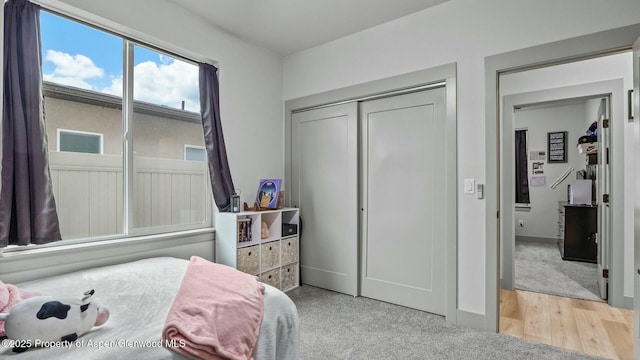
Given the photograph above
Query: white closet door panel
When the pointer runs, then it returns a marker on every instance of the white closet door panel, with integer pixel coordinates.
(324, 165)
(402, 192)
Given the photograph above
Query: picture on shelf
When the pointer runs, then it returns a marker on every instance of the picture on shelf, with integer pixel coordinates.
(268, 193)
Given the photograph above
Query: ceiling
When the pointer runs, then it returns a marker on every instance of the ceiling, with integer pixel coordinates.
(290, 26)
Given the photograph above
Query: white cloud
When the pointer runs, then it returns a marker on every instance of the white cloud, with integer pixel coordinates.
(69, 81)
(78, 67)
(167, 84)
(165, 59)
(115, 88)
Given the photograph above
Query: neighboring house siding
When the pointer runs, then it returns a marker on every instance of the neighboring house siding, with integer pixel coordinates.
(154, 136)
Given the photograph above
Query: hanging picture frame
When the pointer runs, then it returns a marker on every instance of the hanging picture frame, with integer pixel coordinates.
(557, 147)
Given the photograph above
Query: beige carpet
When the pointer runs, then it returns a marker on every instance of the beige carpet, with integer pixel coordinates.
(540, 268)
(338, 326)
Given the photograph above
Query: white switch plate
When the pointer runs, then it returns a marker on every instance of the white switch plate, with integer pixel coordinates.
(469, 186)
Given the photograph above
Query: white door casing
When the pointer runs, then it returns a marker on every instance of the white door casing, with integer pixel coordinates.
(403, 182)
(636, 118)
(604, 187)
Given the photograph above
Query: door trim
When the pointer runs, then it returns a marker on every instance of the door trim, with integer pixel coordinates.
(564, 51)
(444, 73)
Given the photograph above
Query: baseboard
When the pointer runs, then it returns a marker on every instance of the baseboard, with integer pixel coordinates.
(536, 239)
(628, 303)
(504, 285)
(472, 320)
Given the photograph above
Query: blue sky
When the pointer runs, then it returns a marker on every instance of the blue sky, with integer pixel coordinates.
(77, 55)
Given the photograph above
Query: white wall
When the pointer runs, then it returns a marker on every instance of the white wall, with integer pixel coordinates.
(250, 81)
(617, 66)
(541, 219)
(462, 31)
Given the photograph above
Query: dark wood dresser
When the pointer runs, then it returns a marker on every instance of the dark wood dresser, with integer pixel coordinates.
(580, 233)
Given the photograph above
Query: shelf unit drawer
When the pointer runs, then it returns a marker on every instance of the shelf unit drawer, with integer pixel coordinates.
(249, 260)
(289, 275)
(270, 257)
(289, 250)
(271, 277)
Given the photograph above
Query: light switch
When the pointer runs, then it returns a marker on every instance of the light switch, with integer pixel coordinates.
(469, 186)
(480, 192)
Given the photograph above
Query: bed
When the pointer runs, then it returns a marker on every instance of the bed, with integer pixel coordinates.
(139, 294)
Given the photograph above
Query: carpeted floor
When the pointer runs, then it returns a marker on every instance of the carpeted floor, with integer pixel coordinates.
(540, 268)
(338, 326)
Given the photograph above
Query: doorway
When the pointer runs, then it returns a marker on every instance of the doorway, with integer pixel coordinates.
(541, 87)
(554, 243)
(610, 225)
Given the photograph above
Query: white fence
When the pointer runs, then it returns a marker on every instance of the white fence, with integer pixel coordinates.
(88, 191)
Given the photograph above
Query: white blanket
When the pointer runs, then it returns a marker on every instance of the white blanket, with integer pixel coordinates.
(139, 295)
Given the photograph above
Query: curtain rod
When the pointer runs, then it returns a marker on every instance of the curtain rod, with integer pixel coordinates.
(375, 96)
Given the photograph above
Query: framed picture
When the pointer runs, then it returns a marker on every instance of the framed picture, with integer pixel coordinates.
(537, 168)
(557, 147)
(268, 193)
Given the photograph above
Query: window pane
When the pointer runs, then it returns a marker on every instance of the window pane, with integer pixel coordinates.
(522, 167)
(82, 72)
(194, 154)
(168, 190)
(80, 142)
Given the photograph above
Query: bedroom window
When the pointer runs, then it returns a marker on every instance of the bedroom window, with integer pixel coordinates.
(104, 186)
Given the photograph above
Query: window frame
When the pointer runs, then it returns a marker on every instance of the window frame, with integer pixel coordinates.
(100, 136)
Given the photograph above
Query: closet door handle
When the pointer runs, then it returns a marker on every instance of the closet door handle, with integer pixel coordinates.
(630, 103)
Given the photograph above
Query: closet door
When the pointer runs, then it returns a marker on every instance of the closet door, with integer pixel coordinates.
(324, 187)
(403, 191)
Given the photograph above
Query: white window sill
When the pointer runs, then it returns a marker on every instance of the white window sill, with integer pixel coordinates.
(18, 252)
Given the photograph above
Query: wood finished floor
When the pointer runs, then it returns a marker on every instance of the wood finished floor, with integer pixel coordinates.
(589, 327)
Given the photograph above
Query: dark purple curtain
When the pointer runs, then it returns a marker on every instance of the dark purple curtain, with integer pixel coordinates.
(27, 207)
(522, 166)
(221, 182)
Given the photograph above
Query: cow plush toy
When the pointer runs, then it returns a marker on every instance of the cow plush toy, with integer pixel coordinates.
(43, 319)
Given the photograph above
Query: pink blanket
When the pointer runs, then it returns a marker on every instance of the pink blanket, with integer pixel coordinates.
(216, 313)
(9, 296)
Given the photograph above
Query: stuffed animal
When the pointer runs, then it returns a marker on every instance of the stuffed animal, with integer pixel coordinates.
(9, 296)
(43, 319)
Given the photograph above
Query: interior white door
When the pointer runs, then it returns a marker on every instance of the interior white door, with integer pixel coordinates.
(636, 118)
(402, 192)
(604, 189)
(325, 188)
